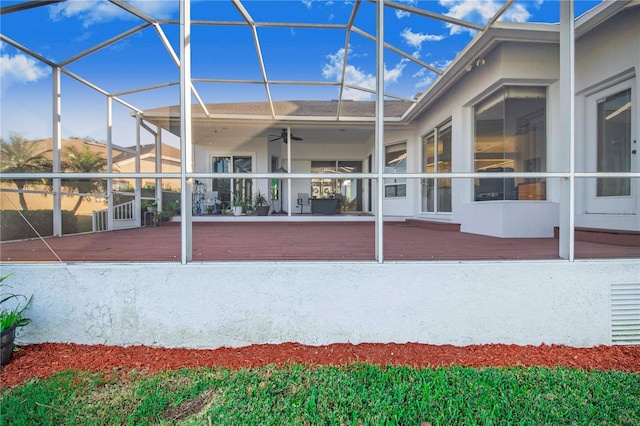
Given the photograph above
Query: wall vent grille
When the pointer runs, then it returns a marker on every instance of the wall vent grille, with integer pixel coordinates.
(625, 314)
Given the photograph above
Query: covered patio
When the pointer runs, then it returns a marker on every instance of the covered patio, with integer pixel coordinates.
(299, 241)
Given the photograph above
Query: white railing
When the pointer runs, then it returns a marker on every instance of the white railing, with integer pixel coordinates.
(124, 211)
(99, 220)
(124, 216)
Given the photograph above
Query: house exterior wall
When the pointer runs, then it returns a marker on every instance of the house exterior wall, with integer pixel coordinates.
(508, 63)
(605, 57)
(231, 304)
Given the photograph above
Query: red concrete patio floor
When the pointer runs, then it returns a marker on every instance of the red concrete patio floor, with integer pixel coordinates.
(302, 241)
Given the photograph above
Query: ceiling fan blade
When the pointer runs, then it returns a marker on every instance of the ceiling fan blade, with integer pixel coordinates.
(296, 138)
(275, 139)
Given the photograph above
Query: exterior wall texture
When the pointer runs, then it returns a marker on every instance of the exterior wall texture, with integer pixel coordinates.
(214, 305)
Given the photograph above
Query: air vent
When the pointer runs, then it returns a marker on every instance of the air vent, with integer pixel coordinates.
(625, 314)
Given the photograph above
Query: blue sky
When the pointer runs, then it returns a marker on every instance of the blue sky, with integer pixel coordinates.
(60, 31)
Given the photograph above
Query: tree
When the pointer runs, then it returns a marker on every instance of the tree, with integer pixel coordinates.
(22, 156)
(83, 160)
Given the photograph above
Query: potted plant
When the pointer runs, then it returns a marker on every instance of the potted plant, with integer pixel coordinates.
(150, 206)
(11, 318)
(261, 204)
(238, 203)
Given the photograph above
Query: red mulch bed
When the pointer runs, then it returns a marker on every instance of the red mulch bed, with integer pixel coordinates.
(44, 359)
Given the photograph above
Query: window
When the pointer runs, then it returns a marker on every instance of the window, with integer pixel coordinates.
(436, 158)
(395, 161)
(241, 164)
(348, 190)
(614, 143)
(511, 136)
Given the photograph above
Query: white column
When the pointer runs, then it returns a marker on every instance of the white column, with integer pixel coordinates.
(109, 163)
(289, 207)
(567, 120)
(137, 194)
(186, 149)
(379, 130)
(57, 147)
(158, 141)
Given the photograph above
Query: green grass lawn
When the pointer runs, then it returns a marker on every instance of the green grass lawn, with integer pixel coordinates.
(355, 394)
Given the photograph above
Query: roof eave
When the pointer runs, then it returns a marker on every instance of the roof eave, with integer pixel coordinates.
(483, 43)
(511, 31)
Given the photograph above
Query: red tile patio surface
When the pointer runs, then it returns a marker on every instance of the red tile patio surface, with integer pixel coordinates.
(296, 241)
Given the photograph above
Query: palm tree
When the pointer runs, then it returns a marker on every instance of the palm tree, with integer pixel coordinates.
(21, 156)
(83, 161)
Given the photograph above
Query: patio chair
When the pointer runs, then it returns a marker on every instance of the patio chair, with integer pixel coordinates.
(210, 200)
(303, 200)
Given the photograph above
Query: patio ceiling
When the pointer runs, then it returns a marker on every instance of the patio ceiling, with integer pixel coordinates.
(266, 68)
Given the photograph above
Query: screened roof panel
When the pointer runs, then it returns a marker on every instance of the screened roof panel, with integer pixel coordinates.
(312, 12)
(295, 55)
(214, 43)
(303, 51)
(63, 30)
(151, 65)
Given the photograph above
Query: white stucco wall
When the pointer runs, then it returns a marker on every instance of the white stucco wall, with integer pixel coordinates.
(237, 304)
(510, 219)
(606, 58)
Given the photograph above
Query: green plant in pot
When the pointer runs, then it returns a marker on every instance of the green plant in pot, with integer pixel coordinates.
(238, 204)
(261, 204)
(12, 307)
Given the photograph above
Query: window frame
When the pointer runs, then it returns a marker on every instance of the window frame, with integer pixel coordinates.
(399, 184)
(435, 131)
(510, 186)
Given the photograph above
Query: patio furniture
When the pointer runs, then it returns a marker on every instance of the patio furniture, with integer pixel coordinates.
(325, 206)
(303, 200)
(149, 218)
(210, 200)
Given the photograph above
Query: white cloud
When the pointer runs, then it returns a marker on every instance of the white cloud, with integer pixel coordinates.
(416, 39)
(101, 11)
(20, 69)
(307, 3)
(357, 77)
(480, 11)
(401, 13)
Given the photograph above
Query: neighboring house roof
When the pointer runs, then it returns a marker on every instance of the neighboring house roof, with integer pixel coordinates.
(169, 153)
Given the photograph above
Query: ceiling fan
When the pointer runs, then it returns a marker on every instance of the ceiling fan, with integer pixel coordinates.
(283, 136)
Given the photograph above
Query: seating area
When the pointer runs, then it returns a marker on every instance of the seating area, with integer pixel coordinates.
(211, 202)
(304, 201)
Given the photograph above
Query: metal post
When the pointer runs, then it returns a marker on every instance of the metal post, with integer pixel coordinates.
(109, 163)
(379, 129)
(158, 142)
(290, 207)
(567, 111)
(57, 147)
(186, 149)
(137, 194)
